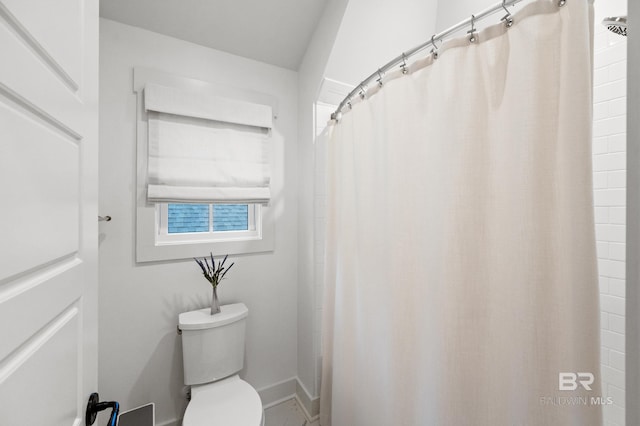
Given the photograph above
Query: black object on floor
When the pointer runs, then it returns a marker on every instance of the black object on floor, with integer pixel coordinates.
(141, 416)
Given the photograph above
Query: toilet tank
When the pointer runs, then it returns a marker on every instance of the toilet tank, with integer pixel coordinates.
(212, 345)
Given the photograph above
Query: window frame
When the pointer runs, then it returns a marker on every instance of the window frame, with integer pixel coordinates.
(163, 237)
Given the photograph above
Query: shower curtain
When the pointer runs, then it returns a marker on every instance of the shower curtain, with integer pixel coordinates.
(461, 280)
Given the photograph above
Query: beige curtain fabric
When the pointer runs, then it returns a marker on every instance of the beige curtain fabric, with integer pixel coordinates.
(461, 269)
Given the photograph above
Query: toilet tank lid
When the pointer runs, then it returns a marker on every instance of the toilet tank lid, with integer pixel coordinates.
(202, 318)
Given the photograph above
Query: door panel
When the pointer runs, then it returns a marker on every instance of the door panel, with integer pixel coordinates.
(46, 165)
(54, 31)
(48, 210)
(58, 284)
(52, 354)
(57, 105)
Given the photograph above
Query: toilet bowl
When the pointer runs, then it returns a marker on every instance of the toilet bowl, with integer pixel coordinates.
(228, 402)
(213, 355)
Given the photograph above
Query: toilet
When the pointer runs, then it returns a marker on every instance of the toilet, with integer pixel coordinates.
(213, 354)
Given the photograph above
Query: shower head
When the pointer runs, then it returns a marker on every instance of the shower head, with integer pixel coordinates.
(616, 24)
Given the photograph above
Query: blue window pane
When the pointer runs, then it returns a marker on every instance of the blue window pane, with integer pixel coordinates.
(230, 217)
(184, 218)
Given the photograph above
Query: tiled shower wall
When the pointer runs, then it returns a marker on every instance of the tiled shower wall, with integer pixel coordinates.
(609, 180)
(323, 113)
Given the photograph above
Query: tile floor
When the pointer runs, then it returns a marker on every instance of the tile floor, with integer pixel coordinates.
(286, 414)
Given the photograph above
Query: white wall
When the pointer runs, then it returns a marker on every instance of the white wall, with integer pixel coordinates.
(450, 12)
(375, 31)
(140, 352)
(609, 179)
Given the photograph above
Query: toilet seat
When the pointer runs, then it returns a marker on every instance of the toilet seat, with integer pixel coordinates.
(228, 402)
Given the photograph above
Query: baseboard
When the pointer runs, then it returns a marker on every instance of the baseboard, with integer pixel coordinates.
(310, 405)
(277, 393)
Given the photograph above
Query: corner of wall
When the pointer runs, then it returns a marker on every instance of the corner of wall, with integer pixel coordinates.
(310, 77)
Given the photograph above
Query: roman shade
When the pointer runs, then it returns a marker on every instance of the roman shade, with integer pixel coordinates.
(206, 149)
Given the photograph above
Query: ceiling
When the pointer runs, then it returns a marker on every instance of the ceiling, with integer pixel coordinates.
(273, 31)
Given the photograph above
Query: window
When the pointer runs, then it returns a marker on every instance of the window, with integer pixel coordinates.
(201, 200)
(180, 223)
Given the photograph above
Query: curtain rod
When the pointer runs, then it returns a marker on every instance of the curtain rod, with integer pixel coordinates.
(402, 59)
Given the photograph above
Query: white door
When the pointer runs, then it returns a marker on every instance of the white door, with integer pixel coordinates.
(48, 210)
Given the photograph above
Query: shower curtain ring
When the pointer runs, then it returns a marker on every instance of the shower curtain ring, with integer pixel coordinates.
(508, 19)
(434, 51)
(562, 3)
(363, 91)
(472, 31)
(404, 64)
(380, 75)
